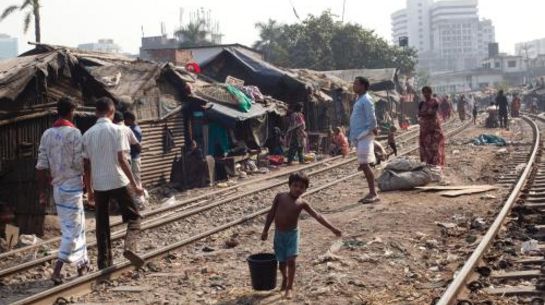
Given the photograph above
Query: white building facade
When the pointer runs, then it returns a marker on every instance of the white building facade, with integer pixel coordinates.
(9, 46)
(530, 49)
(103, 45)
(448, 35)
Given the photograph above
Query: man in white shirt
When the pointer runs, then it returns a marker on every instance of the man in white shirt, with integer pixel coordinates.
(111, 175)
(60, 157)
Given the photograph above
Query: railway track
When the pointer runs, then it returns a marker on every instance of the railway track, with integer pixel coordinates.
(498, 271)
(168, 232)
(205, 196)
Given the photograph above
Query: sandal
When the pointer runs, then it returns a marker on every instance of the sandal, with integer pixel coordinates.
(83, 269)
(57, 279)
(368, 200)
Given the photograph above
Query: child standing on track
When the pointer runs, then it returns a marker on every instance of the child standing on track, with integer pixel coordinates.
(392, 140)
(285, 212)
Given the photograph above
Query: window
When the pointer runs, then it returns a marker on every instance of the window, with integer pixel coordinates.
(512, 64)
(497, 65)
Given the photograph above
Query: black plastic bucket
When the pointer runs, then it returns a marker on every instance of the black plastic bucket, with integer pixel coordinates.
(263, 268)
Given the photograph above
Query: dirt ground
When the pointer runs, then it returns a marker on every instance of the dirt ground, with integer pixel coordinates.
(403, 250)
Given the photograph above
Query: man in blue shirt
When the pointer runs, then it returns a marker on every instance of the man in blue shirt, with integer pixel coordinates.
(363, 125)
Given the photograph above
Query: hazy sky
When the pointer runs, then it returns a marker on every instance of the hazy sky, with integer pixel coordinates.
(71, 22)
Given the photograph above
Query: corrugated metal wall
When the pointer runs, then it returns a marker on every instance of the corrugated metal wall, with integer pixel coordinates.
(17, 174)
(156, 164)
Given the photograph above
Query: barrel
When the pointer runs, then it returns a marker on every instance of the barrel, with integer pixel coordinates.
(263, 268)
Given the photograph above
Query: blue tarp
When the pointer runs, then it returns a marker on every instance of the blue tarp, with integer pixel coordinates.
(271, 80)
(485, 139)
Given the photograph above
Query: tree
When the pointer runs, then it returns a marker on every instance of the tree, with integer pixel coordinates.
(194, 34)
(321, 43)
(269, 33)
(422, 79)
(31, 8)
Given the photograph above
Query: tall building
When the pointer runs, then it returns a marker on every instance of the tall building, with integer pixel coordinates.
(103, 45)
(9, 46)
(530, 49)
(448, 35)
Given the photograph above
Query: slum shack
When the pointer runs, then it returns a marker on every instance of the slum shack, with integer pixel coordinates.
(385, 88)
(281, 84)
(230, 124)
(326, 99)
(30, 86)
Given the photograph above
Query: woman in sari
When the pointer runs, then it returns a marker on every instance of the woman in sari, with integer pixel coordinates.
(432, 140)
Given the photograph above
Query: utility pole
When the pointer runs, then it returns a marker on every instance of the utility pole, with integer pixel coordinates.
(344, 9)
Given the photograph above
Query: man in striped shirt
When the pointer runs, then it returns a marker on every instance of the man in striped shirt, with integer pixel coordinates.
(103, 152)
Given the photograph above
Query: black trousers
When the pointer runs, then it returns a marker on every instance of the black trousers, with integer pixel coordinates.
(129, 214)
(393, 146)
(504, 120)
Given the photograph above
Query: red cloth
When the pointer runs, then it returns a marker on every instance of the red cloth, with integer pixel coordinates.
(62, 123)
(276, 159)
(342, 142)
(193, 67)
(432, 140)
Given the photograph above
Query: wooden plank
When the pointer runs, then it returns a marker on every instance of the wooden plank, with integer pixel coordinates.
(467, 191)
(512, 291)
(534, 205)
(517, 275)
(451, 187)
(131, 288)
(12, 235)
(530, 260)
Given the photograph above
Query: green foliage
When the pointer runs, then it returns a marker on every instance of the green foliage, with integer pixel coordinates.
(422, 79)
(321, 43)
(194, 34)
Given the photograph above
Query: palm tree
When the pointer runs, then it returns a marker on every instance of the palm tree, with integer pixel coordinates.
(268, 36)
(193, 34)
(32, 8)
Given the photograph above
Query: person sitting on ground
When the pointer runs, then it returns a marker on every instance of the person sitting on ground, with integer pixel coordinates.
(276, 142)
(392, 140)
(196, 166)
(339, 143)
(285, 212)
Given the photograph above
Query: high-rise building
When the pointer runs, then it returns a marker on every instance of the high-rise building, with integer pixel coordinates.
(448, 35)
(9, 46)
(103, 45)
(530, 49)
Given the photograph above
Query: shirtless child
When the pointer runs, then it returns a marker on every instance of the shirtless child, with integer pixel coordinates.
(285, 212)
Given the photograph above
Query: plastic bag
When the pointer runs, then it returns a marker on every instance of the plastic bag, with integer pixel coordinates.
(393, 181)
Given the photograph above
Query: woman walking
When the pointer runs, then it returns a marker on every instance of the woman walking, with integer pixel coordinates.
(432, 140)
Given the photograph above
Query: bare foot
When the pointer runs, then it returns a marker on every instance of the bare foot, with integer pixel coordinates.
(288, 295)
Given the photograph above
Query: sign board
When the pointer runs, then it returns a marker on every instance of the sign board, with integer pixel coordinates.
(229, 80)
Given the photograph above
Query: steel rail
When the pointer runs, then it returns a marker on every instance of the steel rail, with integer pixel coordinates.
(458, 283)
(175, 216)
(411, 135)
(198, 199)
(75, 286)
